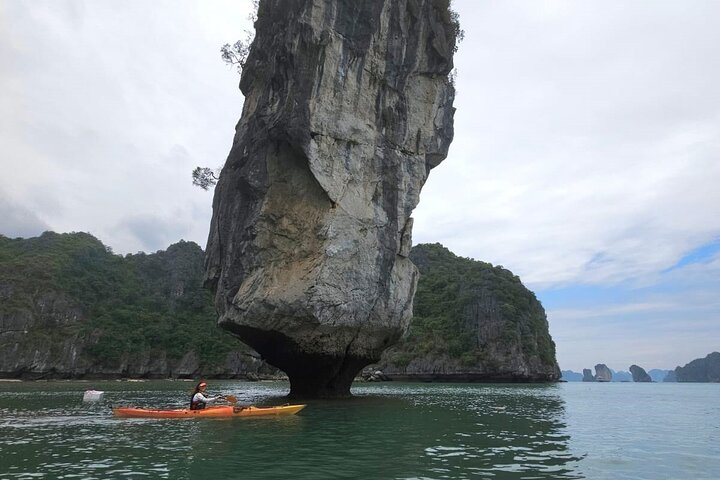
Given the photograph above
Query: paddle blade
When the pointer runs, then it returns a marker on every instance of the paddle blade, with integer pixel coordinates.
(231, 398)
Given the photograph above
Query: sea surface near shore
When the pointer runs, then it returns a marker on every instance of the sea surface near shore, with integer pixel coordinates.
(389, 430)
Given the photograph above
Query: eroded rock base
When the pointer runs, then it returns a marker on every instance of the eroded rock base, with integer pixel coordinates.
(310, 375)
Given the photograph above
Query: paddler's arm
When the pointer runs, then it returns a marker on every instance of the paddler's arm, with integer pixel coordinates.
(206, 399)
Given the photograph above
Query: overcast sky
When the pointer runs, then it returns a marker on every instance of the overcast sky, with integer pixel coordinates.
(586, 156)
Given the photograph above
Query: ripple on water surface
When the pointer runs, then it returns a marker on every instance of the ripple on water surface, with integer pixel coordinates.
(401, 431)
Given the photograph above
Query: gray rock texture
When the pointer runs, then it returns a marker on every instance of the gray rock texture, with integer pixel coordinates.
(602, 373)
(473, 322)
(639, 374)
(587, 375)
(348, 105)
(700, 370)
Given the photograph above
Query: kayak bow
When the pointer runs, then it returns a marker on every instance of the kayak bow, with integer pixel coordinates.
(213, 412)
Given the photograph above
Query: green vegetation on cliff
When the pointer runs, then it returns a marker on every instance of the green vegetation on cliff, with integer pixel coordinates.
(59, 286)
(68, 304)
(472, 317)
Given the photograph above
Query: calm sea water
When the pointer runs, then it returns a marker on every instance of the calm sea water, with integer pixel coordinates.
(388, 431)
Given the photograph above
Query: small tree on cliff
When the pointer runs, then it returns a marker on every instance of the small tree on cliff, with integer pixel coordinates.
(237, 53)
(234, 55)
(204, 177)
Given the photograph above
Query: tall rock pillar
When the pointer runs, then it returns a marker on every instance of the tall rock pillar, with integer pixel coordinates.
(348, 105)
(639, 374)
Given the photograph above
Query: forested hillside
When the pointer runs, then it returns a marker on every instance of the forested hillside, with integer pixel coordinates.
(69, 307)
(472, 321)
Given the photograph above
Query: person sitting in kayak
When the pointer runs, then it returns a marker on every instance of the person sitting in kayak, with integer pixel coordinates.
(199, 400)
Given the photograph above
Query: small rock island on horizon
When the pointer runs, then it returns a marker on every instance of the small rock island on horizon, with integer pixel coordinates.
(639, 374)
(700, 370)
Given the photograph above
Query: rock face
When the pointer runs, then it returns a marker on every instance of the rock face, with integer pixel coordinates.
(639, 374)
(69, 308)
(472, 322)
(700, 370)
(348, 105)
(587, 375)
(602, 373)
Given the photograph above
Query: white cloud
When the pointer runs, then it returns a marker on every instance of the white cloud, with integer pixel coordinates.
(108, 107)
(669, 322)
(586, 141)
(18, 221)
(587, 138)
(585, 147)
(611, 310)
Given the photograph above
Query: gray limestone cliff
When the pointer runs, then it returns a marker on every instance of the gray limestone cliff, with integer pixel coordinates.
(602, 373)
(587, 375)
(700, 370)
(348, 105)
(472, 322)
(639, 374)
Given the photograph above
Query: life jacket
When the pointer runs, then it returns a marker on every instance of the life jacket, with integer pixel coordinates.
(196, 405)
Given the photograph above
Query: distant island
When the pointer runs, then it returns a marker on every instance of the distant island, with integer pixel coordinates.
(699, 370)
(639, 374)
(657, 375)
(570, 376)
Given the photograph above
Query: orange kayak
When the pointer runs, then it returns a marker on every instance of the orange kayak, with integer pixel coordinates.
(213, 412)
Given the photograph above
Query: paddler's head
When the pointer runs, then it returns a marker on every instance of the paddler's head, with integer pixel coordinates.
(200, 387)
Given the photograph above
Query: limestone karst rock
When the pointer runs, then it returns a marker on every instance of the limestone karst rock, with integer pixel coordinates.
(472, 322)
(587, 375)
(700, 370)
(70, 308)
(639, 374)
(602, 373)
(348, 105)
